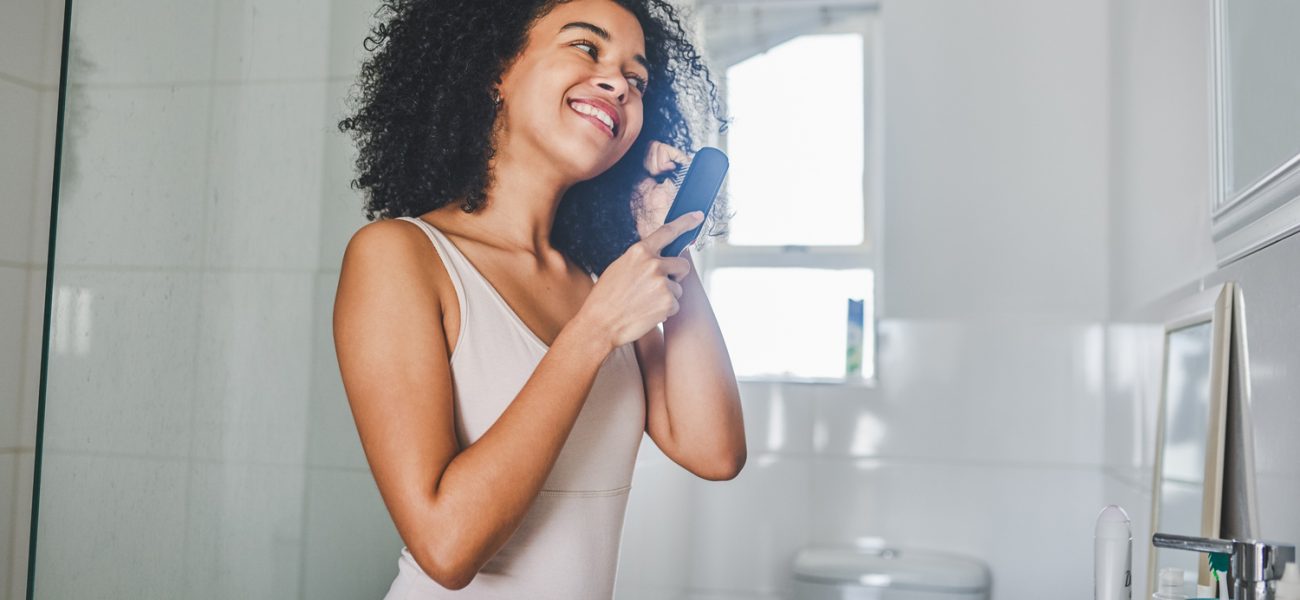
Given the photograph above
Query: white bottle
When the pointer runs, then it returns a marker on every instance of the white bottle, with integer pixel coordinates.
(1113, 559)
(1288, 588)
(1171, 585)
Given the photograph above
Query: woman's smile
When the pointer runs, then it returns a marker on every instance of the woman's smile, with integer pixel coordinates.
(603, 117)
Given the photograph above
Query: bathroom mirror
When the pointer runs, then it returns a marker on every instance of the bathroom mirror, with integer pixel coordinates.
(1188, 486)
(1256, 196)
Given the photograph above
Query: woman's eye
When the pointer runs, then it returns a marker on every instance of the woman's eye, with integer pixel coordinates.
(592, 52)
(638, 82)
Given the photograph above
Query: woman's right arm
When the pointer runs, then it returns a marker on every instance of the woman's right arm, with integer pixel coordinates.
(453, 507)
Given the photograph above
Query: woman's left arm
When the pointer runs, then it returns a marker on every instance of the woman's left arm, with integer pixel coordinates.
(692, 401)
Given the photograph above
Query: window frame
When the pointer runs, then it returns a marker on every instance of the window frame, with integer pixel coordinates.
(718, 253)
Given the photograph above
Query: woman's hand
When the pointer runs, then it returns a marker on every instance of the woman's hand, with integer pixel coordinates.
(657, 198)
(640, 289)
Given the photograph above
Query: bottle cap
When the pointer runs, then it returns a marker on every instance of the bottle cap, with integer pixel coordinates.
(1113, 523)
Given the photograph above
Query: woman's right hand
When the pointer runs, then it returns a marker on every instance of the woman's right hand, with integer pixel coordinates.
(640, 289)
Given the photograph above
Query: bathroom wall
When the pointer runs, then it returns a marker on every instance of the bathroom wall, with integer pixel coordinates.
(983, 435)
(1161, 250)
(30, 39)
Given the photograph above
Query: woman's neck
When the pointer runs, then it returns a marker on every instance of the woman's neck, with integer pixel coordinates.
(521, 202)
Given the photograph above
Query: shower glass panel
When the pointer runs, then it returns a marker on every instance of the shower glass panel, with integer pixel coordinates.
(195, 438)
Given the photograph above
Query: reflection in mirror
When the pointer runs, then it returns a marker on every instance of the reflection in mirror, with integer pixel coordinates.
(1187, 410)
(1189, 451)
(1260, 89)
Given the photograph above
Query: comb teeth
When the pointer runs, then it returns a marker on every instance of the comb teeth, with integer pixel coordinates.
(679, 175)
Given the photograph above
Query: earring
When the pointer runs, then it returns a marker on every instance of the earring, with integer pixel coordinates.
(496, 97)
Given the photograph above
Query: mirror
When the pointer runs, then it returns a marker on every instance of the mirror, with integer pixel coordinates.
(1256, 196)
(1188, 486)
(1260, 90)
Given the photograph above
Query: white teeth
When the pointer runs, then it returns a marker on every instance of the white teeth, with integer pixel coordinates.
(588, 109)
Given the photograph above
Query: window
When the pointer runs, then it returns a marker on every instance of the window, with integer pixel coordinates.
(794, 280)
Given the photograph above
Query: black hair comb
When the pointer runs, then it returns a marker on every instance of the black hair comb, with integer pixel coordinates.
(698, 182)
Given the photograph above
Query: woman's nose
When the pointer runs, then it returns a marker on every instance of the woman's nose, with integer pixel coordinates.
(620, 91)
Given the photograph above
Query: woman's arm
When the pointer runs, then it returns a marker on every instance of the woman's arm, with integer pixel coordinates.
(692, 401)
(454, 508)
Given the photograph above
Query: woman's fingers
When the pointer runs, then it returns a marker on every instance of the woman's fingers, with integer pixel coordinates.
(661, 158)
(671, 230)
(675, 288)
(675, 267)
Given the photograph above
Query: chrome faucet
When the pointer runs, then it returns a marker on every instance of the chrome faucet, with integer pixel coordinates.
(1256, 565)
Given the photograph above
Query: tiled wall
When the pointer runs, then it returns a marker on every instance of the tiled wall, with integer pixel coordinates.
(30, 38)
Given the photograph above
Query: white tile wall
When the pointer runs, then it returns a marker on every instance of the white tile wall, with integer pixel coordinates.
(19, 127)
(13, 296)
(30, 39)
(110, 45)
(133, 168)
(32, 33)
(252, 378)
(265, 169)
(8, 515)
(350, 546)
(244, 535)
(139, 512)
(19, 539)
(251, 44)
(122, 362)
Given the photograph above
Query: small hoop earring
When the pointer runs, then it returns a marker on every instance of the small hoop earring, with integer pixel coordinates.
(496, 97)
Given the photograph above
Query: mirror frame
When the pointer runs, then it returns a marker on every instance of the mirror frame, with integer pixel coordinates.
(1212, 305)
(1268, 208)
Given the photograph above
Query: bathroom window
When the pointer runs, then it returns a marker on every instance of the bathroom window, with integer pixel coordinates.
(794, 279)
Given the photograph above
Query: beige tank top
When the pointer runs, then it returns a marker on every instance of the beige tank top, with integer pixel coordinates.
(568, 543)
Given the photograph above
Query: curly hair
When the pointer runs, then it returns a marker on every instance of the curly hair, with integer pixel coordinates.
(424, 123)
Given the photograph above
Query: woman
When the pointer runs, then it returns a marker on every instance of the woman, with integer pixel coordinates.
(499, 388)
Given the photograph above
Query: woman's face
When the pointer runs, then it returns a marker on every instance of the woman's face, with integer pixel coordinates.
(582, 69)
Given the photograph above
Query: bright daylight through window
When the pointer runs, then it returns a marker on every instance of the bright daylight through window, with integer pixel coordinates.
(793, 282)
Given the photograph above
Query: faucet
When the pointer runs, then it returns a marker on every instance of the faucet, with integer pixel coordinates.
(1256, 565)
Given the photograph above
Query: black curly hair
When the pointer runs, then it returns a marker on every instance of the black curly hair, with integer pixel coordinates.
(424, 123)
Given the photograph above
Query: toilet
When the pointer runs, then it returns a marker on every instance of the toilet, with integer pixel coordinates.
(854, 573)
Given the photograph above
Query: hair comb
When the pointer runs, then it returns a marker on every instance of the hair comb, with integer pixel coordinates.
(698, 182)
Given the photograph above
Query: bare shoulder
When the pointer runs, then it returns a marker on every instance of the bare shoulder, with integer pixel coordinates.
(391, 253)
(392, 280)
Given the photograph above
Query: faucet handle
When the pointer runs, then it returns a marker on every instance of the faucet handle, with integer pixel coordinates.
(1194, 544)
(1255, 564)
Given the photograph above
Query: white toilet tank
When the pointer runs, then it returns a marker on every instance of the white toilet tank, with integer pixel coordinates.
(851, 573)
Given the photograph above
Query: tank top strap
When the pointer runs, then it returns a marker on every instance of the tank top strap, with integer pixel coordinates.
(452, 260)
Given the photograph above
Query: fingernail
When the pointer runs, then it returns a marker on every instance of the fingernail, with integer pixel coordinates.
(699, 215)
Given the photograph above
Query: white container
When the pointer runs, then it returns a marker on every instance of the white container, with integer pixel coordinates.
(1113, 558)
(1170, 586)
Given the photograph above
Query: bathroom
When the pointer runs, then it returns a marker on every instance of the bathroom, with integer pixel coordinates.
(1044, 185)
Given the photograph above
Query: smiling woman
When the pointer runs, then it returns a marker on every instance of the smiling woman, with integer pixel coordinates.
(500, 388)
(425, 112)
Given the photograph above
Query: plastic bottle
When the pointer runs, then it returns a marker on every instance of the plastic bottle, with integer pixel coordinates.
(1113, 558)
(1288, 588)
(1170, 586)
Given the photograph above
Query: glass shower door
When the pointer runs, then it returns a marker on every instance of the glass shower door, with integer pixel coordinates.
(195, 441)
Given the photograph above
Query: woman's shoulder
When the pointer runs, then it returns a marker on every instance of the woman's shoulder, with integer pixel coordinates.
(395, 251)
